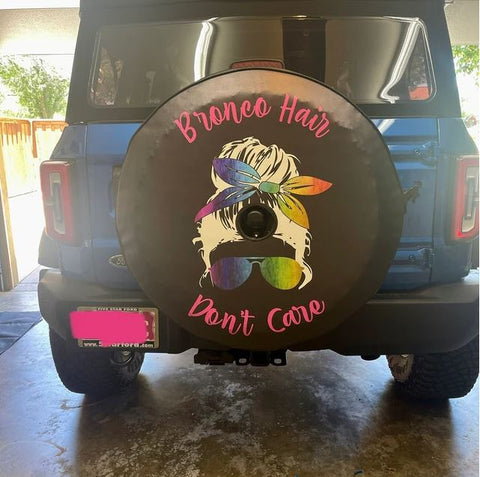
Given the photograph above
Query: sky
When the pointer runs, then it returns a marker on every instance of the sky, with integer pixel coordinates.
(14, 4)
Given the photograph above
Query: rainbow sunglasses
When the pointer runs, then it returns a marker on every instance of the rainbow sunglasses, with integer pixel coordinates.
(282, 273)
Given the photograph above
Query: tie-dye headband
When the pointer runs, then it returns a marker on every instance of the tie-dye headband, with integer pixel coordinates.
(246, 181)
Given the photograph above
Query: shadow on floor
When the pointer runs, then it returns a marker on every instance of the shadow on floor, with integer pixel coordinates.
(318, 417)
(322, 415)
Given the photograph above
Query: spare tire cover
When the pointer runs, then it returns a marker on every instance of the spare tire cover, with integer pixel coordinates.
(258, 209)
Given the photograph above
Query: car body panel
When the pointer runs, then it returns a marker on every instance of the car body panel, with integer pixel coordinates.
(410, 141)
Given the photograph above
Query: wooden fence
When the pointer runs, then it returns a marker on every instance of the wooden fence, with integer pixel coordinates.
(24, 144)
(45, 135)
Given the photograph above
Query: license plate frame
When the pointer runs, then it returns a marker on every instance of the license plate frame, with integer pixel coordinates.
(151, 315)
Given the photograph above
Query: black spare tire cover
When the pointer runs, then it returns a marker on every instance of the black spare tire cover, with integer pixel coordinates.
(258, 209)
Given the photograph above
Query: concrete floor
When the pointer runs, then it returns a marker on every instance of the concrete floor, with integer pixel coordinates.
(322, 415)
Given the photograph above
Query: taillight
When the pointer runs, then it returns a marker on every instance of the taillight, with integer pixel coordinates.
(465, 207)
(56, 180)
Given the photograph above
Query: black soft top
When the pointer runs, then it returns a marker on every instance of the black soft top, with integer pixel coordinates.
(97, 13)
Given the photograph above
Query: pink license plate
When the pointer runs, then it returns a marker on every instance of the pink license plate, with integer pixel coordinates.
(118, 327)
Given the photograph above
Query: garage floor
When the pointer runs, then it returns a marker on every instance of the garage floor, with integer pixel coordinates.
(322, 415)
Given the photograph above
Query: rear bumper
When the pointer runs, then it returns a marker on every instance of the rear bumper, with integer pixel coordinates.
(434, 319)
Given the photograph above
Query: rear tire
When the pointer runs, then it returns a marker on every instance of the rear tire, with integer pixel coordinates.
(96, 372)
(437, 376)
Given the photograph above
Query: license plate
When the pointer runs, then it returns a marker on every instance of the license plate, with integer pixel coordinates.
(115, 327)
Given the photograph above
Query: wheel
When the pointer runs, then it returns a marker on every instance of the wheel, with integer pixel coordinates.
(97, 372)
(237, 203)
(437, 376)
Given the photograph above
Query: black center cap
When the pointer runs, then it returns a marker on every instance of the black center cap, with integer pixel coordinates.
(256, 222)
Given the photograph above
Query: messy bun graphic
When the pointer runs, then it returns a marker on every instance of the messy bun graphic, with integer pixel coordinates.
(246, 171)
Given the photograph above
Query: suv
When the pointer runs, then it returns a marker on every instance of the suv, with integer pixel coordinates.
(248, 178)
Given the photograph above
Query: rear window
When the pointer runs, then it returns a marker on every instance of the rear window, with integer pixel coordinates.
(370, 60)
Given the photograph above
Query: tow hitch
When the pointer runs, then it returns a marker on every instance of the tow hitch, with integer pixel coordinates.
(241, 357)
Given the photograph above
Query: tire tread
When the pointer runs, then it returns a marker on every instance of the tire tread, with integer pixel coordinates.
(91, 371)
(442, 375)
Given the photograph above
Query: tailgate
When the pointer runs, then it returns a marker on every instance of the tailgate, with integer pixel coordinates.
(412, 144)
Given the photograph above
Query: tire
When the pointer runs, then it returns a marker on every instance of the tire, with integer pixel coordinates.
(96, 372)
(437, 376)
(253, 266)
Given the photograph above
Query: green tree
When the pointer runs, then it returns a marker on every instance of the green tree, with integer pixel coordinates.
(466, 59)
(39, 88)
